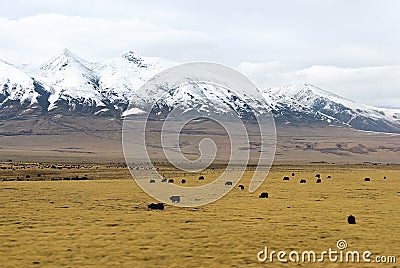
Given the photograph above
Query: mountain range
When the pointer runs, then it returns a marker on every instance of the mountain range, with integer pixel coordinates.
(69, 85)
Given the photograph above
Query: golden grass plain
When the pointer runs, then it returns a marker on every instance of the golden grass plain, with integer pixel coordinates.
(104, 221)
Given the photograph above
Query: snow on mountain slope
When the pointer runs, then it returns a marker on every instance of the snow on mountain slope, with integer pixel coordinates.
(67, 84)
(393, 114)
(70, 81)
(195, 97)
(15, 85)
(312, 100)
(122, 76)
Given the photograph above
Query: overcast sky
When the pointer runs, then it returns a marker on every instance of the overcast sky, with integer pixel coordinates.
(351, 48)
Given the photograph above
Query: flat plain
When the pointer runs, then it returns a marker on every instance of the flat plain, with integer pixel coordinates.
(98, 217)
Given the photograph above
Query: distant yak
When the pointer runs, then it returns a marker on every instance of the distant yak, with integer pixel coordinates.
(159, 206)
(263, 195)
(351, 219)
(175, 198)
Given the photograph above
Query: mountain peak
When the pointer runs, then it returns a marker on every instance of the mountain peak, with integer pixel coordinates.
(67, 53)
(134, 58)
(305, 91)
(63, 60)
(9, 72)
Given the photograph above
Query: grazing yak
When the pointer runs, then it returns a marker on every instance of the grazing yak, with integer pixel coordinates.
(303, 181)
(201, 178)
(319, 181)
(263, 195)
(329, 176)
(171, 181)
(318, 176)
(175, 198)
(152, 181)
(183, 181)
(285, 178)
(367, 179)
(228, 183)
(159, 206)
(351, 219)
(292, 174)
(241, 187)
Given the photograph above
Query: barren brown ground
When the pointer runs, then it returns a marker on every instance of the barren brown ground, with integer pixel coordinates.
(295, 144)
(104, 221)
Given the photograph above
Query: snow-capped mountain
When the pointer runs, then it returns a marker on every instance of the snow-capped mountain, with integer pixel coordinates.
(19, 93)
(311, 101)
(16, 85)
(199, 98)
(120, 77)
(67, 85)
(72, 84)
